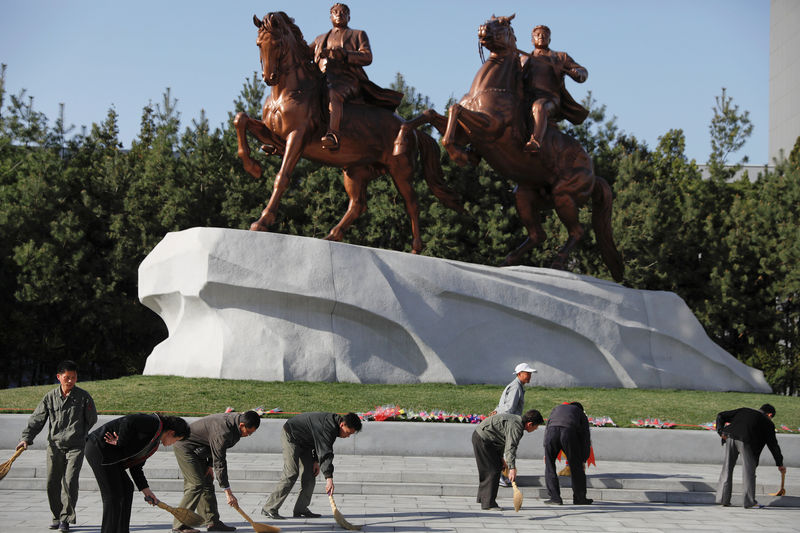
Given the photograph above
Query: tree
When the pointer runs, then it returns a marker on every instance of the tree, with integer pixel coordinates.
(729, 130)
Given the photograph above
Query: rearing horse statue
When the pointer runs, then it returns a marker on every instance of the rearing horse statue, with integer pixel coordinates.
(292, 123)
(490, 118)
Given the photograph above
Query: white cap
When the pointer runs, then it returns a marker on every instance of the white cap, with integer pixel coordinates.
(523, 367)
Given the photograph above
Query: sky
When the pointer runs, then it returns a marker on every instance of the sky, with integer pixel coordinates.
(655, 65)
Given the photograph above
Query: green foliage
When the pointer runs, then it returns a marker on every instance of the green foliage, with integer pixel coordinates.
(729, 131)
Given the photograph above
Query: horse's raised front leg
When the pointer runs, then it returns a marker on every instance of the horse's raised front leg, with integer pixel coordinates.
(456, 152)
(294, 149)
(529, 206)
(243, 124)
(429, 116)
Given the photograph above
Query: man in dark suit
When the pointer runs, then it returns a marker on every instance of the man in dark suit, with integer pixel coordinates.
(203, 455)
(341, 54)
(568, 430)
(119, 448)
(745, 431)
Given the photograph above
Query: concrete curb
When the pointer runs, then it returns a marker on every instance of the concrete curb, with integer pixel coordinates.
(453, 440)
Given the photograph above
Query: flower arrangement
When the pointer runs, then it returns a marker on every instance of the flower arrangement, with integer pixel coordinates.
(653, 423)
(601, 421)
(392, 412)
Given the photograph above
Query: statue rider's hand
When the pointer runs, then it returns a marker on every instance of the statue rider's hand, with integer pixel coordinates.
(337, 54)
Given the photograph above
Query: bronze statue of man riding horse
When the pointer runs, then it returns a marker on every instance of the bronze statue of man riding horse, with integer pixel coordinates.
(294, 123)
(490, 123)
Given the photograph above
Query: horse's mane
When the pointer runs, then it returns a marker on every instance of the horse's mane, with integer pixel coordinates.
(304, 51)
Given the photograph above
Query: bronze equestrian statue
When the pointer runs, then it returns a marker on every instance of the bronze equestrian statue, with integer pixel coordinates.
(492, 120)
(294, 121)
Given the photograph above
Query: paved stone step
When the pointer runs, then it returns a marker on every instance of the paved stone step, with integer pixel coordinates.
(401, 476)
(410, 482)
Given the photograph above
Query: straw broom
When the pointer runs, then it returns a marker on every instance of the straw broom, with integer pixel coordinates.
(185, 516)
(517, 497)
(341, 520)
(5, 467)
(781, 491)
(517, 492)
(257, 527)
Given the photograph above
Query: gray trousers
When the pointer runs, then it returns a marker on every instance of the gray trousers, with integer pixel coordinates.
(297, 461)
(198, 486)
(63, 470)
(733, 448)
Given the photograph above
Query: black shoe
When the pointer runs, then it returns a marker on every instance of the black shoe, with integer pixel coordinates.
(55, 524)
(551, 501)
(219, 526)
(584, 501)
(63, 526)
(272, 514)
(306, 514)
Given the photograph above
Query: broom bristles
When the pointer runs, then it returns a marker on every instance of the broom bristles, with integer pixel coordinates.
(517, 497)
(340, 519)
(5, 467)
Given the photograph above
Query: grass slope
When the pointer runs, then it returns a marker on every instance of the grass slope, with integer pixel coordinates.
(199, 396)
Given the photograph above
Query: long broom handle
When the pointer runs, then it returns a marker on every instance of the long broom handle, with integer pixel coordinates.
(245, 515)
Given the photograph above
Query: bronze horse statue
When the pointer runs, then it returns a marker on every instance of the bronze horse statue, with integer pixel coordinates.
(293, 121)
(491, 120)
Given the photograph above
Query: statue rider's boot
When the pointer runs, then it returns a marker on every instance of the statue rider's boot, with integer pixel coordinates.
(330, 141)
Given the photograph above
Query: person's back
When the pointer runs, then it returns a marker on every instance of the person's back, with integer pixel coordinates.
(566, 415)
(751, 426)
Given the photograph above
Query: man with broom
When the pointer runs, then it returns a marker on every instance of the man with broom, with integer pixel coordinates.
(568, 430)
(307, 440)
(203, 455)
(71, 413)
(495, 444)
(745, 432)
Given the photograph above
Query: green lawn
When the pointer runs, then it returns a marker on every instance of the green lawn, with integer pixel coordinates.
(198, 396)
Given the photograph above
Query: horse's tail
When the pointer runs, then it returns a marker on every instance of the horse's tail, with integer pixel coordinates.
(601, 222)
(432, 171)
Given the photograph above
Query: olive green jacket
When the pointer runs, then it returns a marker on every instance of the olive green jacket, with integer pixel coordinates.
(503, 431)
(70, 418)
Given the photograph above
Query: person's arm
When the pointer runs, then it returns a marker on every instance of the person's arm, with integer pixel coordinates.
(513, 435)
(139, 479)
(219, 447)
(574, 70)
(36, 422)
(586, 439)
(324, 438)
(774, 448)
(723, 418)
(89, 412)
(361, 55)
(324, 449)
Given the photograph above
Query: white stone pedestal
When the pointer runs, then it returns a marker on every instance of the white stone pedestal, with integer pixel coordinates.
(265, 306)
